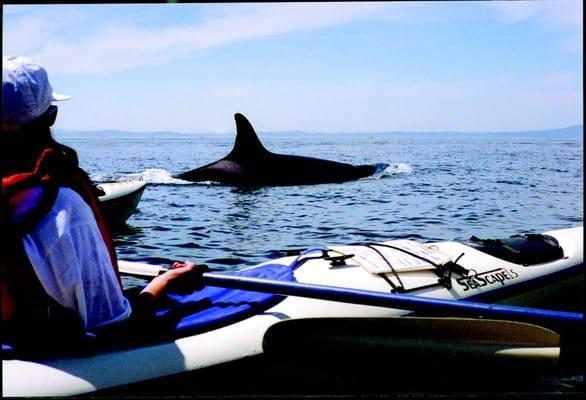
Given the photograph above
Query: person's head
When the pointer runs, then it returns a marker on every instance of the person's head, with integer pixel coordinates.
(26, 92)
(27, 110)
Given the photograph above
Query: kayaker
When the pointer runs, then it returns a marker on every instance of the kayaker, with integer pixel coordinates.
(59, 268)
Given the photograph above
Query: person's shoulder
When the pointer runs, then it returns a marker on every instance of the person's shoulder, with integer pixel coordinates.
(70, 201)
(67, 195)
(68, 211)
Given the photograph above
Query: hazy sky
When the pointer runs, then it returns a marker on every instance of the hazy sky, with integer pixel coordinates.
(325, 67)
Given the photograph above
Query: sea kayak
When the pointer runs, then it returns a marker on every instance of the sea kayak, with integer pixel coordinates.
(119, 200)
(396, 286)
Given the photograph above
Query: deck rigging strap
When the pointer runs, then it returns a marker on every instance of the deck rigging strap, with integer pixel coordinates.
(405, 251)
(444, 270)
(303, 256)
(449, 266)
(445, 273)
(401, 286)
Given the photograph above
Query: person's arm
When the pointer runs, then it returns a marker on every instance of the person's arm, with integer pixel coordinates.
(179, 270)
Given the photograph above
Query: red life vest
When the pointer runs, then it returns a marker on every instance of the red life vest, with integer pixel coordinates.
(26, 198)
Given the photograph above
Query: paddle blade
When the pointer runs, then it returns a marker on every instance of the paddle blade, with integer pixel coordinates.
(140, 270)
(425, 341)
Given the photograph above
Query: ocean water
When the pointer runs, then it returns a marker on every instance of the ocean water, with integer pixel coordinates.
(437, 187)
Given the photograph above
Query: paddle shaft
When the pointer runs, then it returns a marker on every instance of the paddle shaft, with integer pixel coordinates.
(390, 300)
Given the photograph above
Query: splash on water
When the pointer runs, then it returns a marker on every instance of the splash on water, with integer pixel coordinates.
(105, 177)
(160, 176)
(394, 169)
(149, 175)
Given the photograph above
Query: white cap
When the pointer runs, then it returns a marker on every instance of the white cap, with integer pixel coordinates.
(26, 91)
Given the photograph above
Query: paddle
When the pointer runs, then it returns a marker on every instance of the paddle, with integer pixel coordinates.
(421, 340)
(372, 298)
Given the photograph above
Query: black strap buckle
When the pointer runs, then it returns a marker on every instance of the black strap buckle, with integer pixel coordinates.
(336, 261)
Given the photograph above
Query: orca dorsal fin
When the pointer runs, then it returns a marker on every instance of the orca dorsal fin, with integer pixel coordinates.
(247, 143)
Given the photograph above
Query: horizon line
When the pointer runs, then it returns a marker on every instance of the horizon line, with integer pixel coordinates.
(575, 126)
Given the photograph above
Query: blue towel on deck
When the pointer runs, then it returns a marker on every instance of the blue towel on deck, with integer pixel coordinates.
(213, 307)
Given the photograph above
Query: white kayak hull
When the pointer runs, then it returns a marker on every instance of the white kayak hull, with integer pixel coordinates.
(77, 375)
(120, 200)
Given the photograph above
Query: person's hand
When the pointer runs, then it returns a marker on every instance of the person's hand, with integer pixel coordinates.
(187, 264)
(182, 277)
(186, 277)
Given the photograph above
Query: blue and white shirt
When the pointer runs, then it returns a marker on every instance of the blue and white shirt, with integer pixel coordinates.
(72, 262)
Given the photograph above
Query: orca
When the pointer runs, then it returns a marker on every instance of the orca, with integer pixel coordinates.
(251, 164)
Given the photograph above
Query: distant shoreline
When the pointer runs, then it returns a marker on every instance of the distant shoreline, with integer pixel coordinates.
(572, 132)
